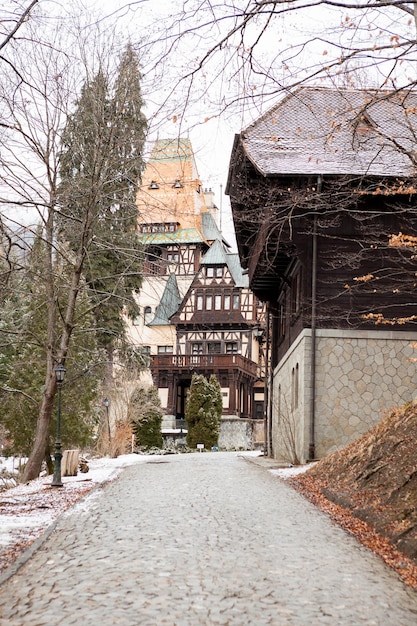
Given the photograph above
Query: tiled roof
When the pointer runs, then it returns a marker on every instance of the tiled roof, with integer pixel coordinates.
(233, 263)
(178, 149)
(182, 235)
(336, 131)
(169, 303)
(217, 255)
(210, 229)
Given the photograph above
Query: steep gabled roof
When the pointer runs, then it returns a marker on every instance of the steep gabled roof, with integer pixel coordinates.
(336, 131)
(210, 229)
(217, 255)
(233, 263)
(169, 304)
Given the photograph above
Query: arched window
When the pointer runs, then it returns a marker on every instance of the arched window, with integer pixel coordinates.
(147, 314)
(294, 387)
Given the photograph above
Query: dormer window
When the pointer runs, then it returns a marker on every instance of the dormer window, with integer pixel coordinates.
(363, 122)
(153, 185)
(177, 184)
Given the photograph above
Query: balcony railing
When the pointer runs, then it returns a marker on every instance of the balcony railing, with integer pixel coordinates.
(194, 362)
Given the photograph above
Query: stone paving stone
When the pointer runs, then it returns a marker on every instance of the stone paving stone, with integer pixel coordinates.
(203, 539)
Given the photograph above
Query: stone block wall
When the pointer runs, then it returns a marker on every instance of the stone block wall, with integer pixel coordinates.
(360, 375)
(240, 434)
(290, 399)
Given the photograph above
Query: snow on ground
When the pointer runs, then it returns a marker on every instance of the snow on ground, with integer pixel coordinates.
(27, 510)
(291, 470)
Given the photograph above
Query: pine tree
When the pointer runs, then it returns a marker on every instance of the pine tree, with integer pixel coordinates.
(101, 167)
(203, 411)
(22, 372)
(91, 213)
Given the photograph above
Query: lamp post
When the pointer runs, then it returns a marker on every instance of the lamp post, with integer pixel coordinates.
(106, 403)
(59, 376)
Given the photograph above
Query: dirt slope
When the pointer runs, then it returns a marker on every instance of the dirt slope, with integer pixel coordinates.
(370, 488)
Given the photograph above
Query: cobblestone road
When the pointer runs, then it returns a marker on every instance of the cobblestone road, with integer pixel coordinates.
(202, 539)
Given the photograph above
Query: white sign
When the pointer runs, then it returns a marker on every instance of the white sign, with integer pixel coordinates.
(200, 446)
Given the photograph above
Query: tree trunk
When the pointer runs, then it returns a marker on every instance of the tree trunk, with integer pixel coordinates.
(40, 445)
(34, 464)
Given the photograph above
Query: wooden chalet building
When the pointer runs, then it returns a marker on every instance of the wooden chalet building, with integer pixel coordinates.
(321, 187)
(197, 312)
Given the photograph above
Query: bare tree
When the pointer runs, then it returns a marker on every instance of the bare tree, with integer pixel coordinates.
(213, 58)
(12, 17)
(33, 118)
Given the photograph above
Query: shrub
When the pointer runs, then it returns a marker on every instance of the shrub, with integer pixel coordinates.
(203, 411)
(145, 415)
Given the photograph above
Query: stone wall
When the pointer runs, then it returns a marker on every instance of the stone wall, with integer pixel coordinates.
(290, 403)
(359, 376)
(240, 434)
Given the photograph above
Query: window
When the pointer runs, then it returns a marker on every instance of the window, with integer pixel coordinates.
(165, 349)
(231, 347)
(259, 410)
(173, 257)
(227, 303)
(214, 347)
(153, 260)
(147, 314)
(199, 303)
(294, 387)
(296, 294)
(217, 303)
(212, 272)
(197, 348)
(209, 303)
(236, 302)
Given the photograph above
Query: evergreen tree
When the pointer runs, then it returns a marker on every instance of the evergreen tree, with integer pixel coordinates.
(101, 167)
(22, 365)
(145, 415)
(203, 411)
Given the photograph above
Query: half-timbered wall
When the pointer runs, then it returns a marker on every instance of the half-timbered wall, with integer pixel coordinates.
(161, 260)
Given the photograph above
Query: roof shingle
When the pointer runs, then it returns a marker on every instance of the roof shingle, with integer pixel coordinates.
(336, 131)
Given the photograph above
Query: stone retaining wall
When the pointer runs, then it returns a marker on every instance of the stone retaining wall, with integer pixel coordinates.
(240, 434)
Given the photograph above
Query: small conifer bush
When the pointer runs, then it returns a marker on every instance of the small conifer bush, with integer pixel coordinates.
(203, 411)
(145, 415)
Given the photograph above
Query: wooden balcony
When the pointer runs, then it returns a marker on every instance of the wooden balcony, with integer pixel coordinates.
(203, 362)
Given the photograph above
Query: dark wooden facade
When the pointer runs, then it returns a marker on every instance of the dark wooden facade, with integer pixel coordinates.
(317, 200)
(340, 249)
